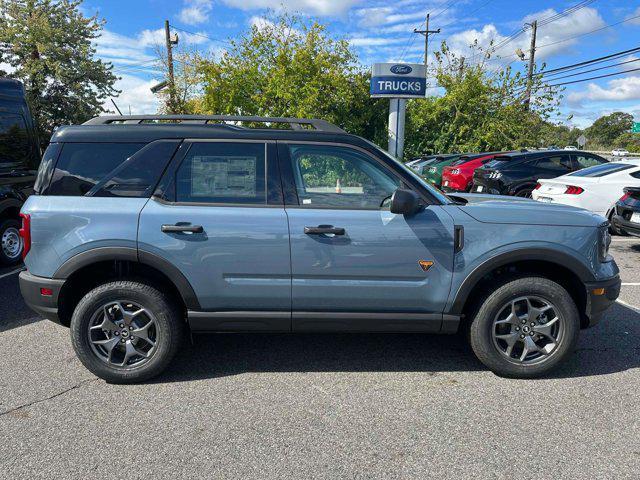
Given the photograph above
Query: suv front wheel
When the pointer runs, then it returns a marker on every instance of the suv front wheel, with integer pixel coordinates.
(525, 328)
(126, 331)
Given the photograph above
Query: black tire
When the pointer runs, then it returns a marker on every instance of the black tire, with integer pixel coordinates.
(10, 227)
(524, 193)
(169, 328)
(482, 325)
(614, 230)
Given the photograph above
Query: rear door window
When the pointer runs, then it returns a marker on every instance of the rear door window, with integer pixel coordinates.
(560, 164)
(223, 173)
(82, 165)
(14, 140)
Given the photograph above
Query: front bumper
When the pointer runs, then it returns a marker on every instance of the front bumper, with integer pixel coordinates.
(44, 305)
(625, 225)
(600, 296)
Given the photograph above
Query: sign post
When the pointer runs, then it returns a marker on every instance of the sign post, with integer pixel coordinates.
(398, 82)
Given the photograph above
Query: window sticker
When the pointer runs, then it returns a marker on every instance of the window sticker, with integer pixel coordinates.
(223, 176)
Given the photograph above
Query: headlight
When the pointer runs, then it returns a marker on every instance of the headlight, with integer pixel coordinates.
(495, 175)
(604, 241)
(455, 171)
(432, 169)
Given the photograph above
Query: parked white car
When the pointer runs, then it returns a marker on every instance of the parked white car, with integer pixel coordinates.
(571, 147)
(594, 188)
(620, 152)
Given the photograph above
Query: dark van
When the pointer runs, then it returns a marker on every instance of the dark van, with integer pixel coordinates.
(19, 161)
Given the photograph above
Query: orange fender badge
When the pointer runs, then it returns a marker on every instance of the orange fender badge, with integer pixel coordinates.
(425, 264)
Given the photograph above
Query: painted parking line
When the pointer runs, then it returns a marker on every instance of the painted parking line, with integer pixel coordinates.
(623, 240)
(631, 284)
(13, 272)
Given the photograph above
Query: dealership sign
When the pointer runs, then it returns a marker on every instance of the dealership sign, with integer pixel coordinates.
(398, 80)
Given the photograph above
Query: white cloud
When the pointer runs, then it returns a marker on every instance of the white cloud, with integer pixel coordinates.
(135, 93)
(619, 89)
(121, 49)
(375, 41)
(375, 16)
(313, 7)
(575, 24)
(195, 12)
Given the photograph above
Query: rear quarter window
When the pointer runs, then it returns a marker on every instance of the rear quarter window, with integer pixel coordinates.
(601, 170)
(81, 166)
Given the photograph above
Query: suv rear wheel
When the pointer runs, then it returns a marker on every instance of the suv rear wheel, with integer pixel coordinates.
(10, 242)
(525, 328)
(126, 331)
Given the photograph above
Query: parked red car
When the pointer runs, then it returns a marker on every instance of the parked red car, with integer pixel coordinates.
(458, 177)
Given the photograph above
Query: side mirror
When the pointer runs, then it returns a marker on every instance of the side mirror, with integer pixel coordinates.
(404, 202)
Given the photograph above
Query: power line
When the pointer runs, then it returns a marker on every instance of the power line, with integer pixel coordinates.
(595, 78)
(447, 7)
(597, 69)
(593, 61)
(544, 21)
(564, 13)
(200, 35)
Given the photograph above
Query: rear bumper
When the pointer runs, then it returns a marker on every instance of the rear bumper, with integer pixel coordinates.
(599, 301)
(44, 305)
(490, 187)
(626, 226)
(454, 184)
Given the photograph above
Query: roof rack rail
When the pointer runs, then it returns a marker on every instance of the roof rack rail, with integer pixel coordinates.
(294, 123)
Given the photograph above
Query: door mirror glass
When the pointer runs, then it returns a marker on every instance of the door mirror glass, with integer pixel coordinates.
(404, 202)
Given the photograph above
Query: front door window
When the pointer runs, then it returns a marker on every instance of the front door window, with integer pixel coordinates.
(339, 177)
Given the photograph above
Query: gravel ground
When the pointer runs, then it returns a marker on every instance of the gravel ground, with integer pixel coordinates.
(324, 406)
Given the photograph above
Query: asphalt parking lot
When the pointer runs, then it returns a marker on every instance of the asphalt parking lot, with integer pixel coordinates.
(298, 406)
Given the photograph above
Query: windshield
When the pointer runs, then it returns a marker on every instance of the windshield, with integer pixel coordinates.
(602, 170)
(439, 195)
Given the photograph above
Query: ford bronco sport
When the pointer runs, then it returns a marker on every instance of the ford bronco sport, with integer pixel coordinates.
(144, 227)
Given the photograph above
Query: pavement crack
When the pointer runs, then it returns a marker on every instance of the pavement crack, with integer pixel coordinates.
(51, 397)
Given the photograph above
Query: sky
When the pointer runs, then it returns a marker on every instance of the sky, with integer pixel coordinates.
(380, 31)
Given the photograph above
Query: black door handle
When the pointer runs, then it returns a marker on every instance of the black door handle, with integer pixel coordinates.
(324, 229)
(182, 228)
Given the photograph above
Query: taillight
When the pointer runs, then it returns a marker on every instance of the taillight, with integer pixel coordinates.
(25, 234)
(573, 190)
(624, 197)
(538, 185)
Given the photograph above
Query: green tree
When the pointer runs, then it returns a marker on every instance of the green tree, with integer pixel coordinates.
(628, 140)
(286, 68)
(477, 111)
(48, 45)
(606, 129)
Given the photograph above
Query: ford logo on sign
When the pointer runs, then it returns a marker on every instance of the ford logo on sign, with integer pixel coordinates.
(401, 69)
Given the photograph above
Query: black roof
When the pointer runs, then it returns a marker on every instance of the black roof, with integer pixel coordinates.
(147, 128)
(535, 153)
(145, 133)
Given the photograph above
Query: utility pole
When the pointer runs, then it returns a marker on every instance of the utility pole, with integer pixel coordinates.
(426, 32)
(461, 67)
(532, 55)
(172, 82)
